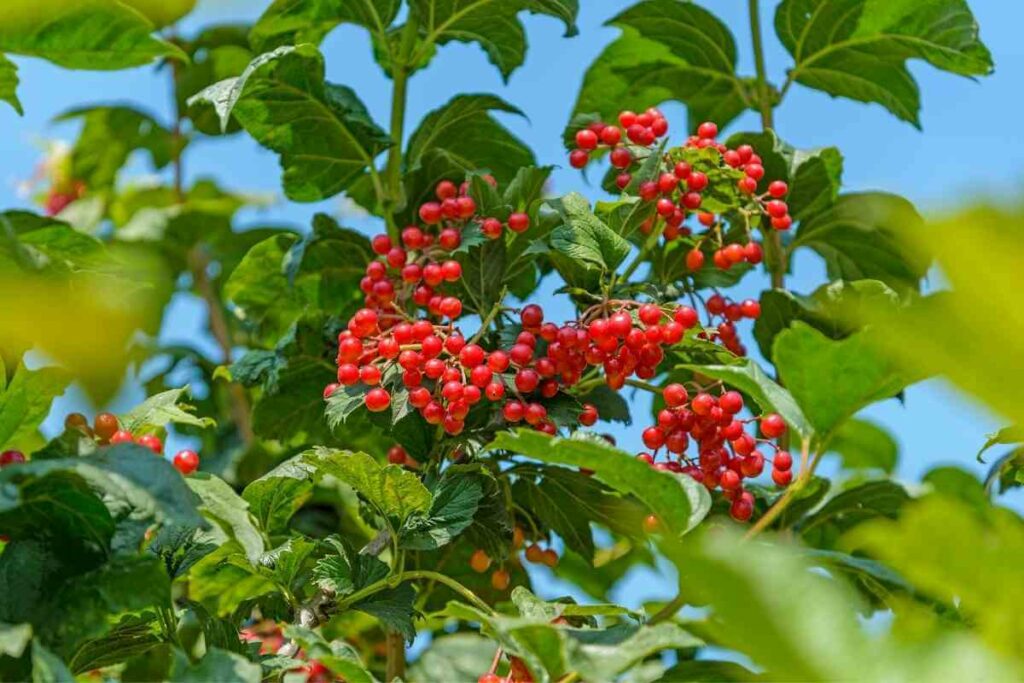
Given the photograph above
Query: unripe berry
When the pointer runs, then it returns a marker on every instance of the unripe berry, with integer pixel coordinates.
(550, 558)
(534, 553)
(500, 580)
(105, 425)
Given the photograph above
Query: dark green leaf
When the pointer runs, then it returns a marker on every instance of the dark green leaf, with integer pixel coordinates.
(455, 500)
(322, 131)
(583, 247)
(852, 507)
(131, 637)
(668, 51)
(93, 34)
(852, 48)
(290, 22)
(862, 236)
(216, 665)
(678, 501)
(278, 494)
(394, 608)
(492, 24)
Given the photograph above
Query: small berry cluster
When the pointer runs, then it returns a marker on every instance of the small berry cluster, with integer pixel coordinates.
(723, 315)
(106, 429)
(685, 177)
(726, 453)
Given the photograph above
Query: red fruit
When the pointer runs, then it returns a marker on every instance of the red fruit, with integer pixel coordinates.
(755, 171)
(531, 316)
(623, 180)
(498, 361)
(449, 239)
(675, 395)
(495, 391)
(518, 222)
(430, 213)
(491, 228)
(708, 130)
(152, 442)
(479, 561)
(621, 158)
(782, 477)
(650, 314)
(747, 185)
(500, 580)
(450, 307)
(11, 457)
(776, 208)
(753, 253)
(122, 436)
(729, 481)
(651, 524)
(586, 139)
(514, 411)
(702, 403)
(682, 170)
(620, 324)
(782, 461)
(381, 244)
(329, 390)
(589, 416)
(471, 355)
(653, 438)
(526, 380)
(489, 678)
(773, 426)
(535, 413)
(397, 455)
(578, 158)
(731, 402)
(627, 119)
(783, 223)
(778, 189)
(692, 200)
(686, 316)
(549, 558)
(697, 181)
(370, 374)
(105, 425)
(750, 308)
(377, 400)
(741, 509)
(186, 461)
(611, 135)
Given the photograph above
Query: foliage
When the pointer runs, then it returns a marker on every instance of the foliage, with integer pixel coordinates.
(391, 433)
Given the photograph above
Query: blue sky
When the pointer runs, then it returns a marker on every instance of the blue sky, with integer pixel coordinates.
(966, 149)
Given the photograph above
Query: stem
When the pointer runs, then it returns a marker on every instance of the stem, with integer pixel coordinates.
(806, 471)
(489, 318)
(395, 647)
(399, 95)
(646, 386)
(651, 242)
(412, 575)
(764, 102)
(669, 610)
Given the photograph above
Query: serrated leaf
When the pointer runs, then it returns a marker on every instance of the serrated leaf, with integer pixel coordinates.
(492, 24)
(290, 22)
(583, 247)
(278, 494)
(677, 500)
(454, 503)
(858, 374)
(863, 236)
(322, 132)
(393, 491)
(668, 51)
(82, 34)
(748, 377)
(161, 410)
(229, 511)
(859, 48)
(24, 404)
(9, 84)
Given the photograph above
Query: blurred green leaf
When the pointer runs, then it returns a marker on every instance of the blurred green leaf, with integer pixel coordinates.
(9, 84)
(862, 444)
(82, 34)
(1007, 435)
(455, 658)
(216, 665)
(856, 49)
(851, 507)
(25, 403)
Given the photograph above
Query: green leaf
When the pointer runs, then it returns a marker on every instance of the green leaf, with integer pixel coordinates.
(775, 615)
(14, 638)
(862, 237)
(874, 579)
(322, 132)
(492, 24)
(337, 655)
(835, 309)
(48, 667)
(859, 48)
(858, 375)
(394, 608)
(748, 377)
(394, 492)
(278, 494)
(1007, 435)
(215, 665)
(344, 571)
(455, 500)
(223, 580)
(956, 482)
(814, 175)
(709, 670)
(610, 404)
(9, 84)
(852, 507)
(25, 403)
(668, 51)
(224, 507)
(84, 34)
(583, 247)
(458, 137)
(958, 556)
(678, 501)
(456, 658)
(109, 136)
(131, 637)
(862, 444)
(161, 410)
(290, 22)
(568, 501)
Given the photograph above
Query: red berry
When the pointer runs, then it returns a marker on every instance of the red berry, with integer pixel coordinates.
(782, 477)
(697, 181)
(186, 461)
(741, 509)
(578, 158)
(750, 308)
(708, 130)
(450, 307)
(627, 119)
(471, 355)
(653, 438)
(105, 425)
(11, 457)
(731, 402)
(755, 171)
(491, 227)
(694, 259)
(449, 239)
(782, 461)
(518, 222)
(381, 244)
(531, 316)
(377, 400)
(686, 316)
(514, 411)
(675, 395)
(778, 189)
(586, 139)
(753, 253)
(152, 442)
(620, 157)
(611, 135)
(772, 426)
(430, 213)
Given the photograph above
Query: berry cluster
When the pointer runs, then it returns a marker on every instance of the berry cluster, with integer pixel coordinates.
(106, 429)
(726, 453)
(685, 176)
